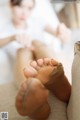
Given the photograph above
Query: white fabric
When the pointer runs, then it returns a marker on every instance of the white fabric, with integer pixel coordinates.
(5, 68)
(35, 29)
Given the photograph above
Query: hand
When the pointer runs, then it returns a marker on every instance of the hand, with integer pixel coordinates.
(63, 33)
(25, 40)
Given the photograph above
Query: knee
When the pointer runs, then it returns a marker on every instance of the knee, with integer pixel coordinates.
(38, 44)
(23, 51)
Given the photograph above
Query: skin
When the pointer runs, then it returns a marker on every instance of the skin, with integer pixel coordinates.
(31, 100)
(41, 75)
(52, 76)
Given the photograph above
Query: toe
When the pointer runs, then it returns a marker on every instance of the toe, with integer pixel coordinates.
(30, 72)
(40, 62)
(34, 64)
(46, 61)
(53, 62)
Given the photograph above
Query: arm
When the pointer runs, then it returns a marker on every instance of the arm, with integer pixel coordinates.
(6, 40)
(62, 32)
(50, 30)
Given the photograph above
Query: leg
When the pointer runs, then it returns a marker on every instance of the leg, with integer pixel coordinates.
(29, 104)
(31, 100)
(52, 75)
(42, 50)
(22, 60)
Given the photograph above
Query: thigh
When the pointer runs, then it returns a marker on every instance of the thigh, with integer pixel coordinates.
(42, 50)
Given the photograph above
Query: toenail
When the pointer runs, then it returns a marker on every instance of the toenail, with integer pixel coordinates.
(59, 66)
(53, 62)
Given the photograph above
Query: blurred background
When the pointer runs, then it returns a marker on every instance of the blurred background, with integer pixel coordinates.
(53, 13)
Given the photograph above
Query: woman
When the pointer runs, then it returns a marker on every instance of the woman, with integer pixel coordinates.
(23, 46)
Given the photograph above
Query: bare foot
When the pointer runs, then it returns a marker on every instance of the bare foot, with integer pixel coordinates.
(43, 69)
(31, 100)
(51, 74)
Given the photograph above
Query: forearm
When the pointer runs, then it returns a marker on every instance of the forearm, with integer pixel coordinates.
(51, 30)
(5, 41)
